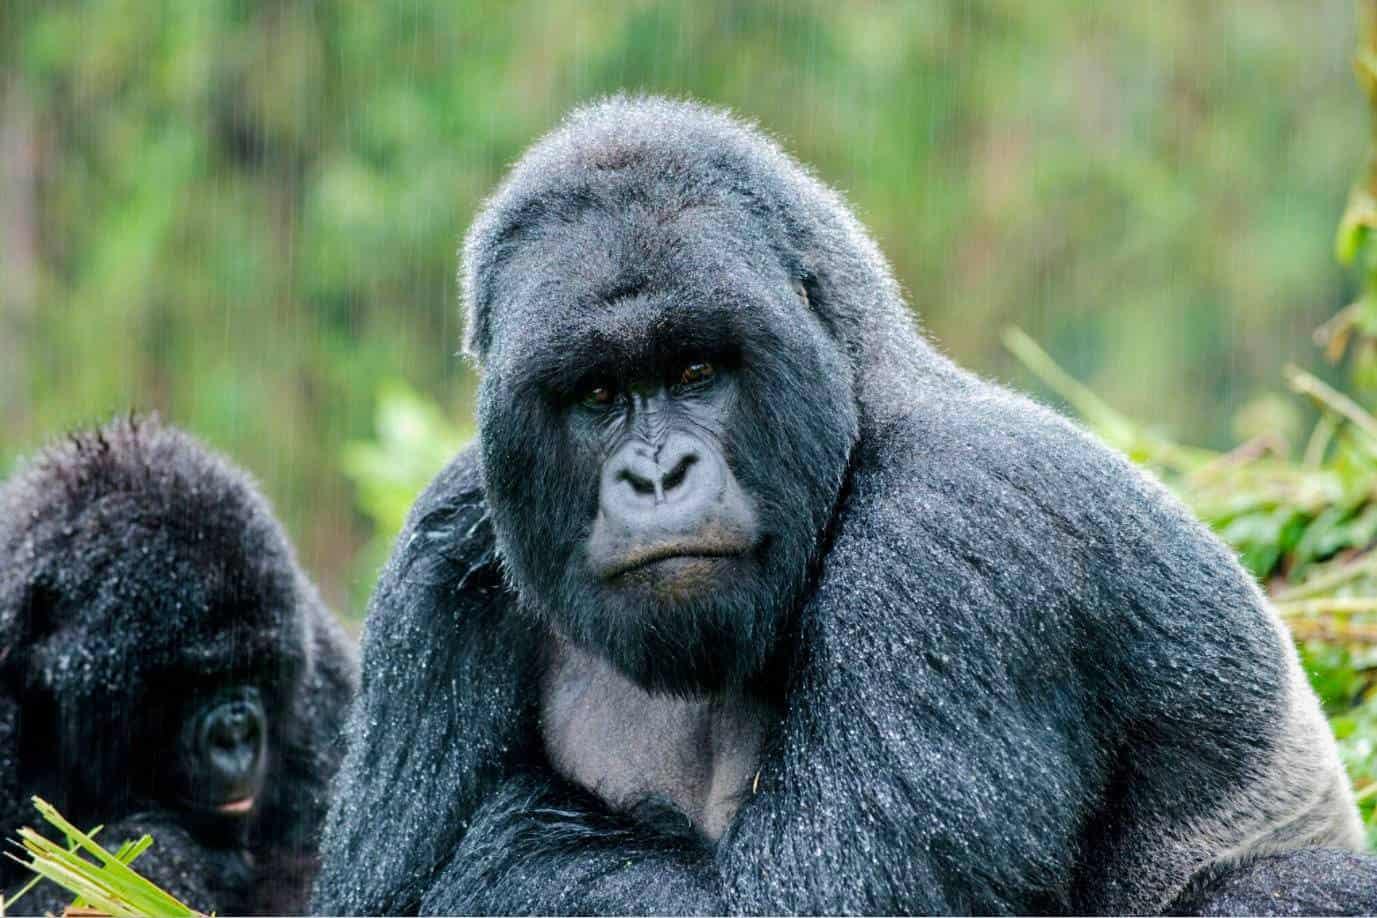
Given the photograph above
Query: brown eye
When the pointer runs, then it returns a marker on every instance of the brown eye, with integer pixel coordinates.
(696, 373)
(600, 394)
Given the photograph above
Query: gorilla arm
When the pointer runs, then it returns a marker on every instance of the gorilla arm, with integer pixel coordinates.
(440, 714)
(540, 846)
(1025, 660)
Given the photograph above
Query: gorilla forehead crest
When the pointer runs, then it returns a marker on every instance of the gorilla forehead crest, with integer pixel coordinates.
(625, 177)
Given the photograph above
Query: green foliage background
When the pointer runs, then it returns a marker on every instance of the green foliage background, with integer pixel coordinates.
(245, 214)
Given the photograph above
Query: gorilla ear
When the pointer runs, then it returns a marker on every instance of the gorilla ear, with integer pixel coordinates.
(801, 288)
(475, 344)
(472, 280)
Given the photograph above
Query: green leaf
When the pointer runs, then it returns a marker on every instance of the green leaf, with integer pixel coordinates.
(1358, 219)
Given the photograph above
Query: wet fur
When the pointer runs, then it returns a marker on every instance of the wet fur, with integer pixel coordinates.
(137, 567)
(1007, 671)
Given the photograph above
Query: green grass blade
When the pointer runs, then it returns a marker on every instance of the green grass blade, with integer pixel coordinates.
(6, 904)
(108, 883)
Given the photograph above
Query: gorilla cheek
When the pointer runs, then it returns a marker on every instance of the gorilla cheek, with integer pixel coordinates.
(536, 502)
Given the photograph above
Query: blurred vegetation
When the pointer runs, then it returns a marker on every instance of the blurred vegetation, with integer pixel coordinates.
(414, 440)
(245, 214)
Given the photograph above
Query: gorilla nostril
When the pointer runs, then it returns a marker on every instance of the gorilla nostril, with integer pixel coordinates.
(677, 474)
(638, 483)
(640, 487)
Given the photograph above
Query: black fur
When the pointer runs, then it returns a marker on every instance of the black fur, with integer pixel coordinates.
(138, 570)
(1011, 673)
(1307, 881)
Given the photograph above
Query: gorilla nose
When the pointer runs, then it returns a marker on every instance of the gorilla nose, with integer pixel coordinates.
(231, 740)
(677, 478)
(677, 501)
(648, 480)
(232, 728)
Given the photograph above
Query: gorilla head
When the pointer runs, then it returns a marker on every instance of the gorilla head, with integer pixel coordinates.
(170, 662)
(657, 486)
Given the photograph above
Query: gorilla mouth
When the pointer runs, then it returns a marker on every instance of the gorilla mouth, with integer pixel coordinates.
(649, 558)
(237, 807)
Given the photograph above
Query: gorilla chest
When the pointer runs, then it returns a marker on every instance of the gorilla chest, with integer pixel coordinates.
(606, 734)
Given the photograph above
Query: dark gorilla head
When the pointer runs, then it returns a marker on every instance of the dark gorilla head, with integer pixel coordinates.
(167, 654)
(666, 416)
(158, 604)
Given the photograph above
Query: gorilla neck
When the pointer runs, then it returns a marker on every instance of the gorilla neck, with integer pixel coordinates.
(610, 736)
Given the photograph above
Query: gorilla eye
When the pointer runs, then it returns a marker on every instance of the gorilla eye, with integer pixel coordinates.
(599, 394)
(696, 373)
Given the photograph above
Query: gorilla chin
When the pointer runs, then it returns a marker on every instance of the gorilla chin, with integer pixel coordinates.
(682, 624)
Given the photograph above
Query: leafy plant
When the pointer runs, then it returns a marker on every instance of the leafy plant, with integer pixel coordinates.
(102, 881)
(413, 442)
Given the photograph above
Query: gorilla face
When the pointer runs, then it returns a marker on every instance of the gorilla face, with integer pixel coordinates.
(661, 456)
(189, 672)
(671, 516)
(191, 642)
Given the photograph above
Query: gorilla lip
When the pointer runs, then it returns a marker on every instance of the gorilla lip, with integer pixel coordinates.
(238, 807)
(639, 560)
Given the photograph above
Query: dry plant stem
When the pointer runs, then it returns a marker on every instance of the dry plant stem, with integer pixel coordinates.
(1333, 334)
(1086, 403)
(1329, 581)
(1244, 453)
(1319, 441)
(1312, 608)
(1329, 397)
(1333, 631)
(1113, 427)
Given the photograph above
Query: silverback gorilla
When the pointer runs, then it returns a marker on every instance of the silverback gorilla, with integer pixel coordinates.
(165, 667)
(748, 600)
